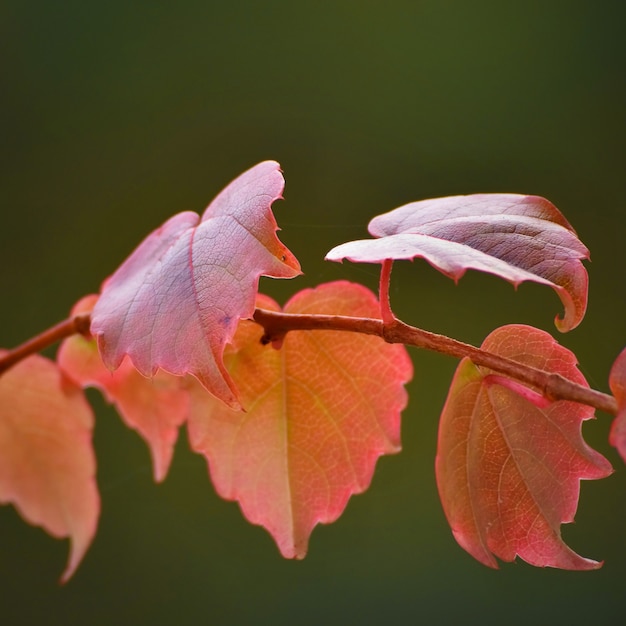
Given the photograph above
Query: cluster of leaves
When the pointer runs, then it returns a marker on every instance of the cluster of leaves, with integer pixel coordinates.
(290, 409)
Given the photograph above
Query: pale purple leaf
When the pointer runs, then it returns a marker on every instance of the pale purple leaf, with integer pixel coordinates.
(176, 301)
(519, 238)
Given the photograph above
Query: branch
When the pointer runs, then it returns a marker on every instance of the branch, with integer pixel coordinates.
(276, 325)
(552, 386)
(71, 326)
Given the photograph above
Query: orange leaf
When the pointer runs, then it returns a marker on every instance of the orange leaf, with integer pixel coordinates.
(47, 464)
(319, 413)
(155, 407)
(508, 468)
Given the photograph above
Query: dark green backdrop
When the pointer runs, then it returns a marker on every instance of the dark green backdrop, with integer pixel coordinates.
(116, 115)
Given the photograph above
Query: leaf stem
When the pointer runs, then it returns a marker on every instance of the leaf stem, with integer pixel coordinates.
(383, 292)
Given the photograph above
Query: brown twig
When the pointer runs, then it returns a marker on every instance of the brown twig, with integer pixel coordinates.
(277, 325)
(66, 328)
(552, 386)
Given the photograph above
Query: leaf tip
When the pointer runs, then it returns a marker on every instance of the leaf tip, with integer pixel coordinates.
(573, 294)
(223, 389)
(293, 550)
(82, 535)
(159, 470)
(565, 323)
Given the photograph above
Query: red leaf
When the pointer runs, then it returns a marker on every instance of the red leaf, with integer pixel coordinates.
(47, 464)
(515, 237)
(509, 471)
(319, 413)
(617, 382)
(176, 301)
(155, 407)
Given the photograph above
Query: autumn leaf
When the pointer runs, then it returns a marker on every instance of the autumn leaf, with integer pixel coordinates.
(617, 382)
(47, 463)
(176, 301)
(516, 237)
(319, 413)
(508, 470)
(155, 407)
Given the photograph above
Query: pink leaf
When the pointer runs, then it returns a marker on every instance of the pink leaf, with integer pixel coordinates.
(176, 301)
(47, 464)
(155, 407)
(319, 413)
(617, 382)
(516, 237)
(509, 471)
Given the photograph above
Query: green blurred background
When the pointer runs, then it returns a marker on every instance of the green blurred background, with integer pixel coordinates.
(116, 115)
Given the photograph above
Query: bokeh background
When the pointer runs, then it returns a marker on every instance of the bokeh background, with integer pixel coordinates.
(116, 115)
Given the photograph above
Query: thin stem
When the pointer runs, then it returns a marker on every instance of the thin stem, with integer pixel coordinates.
(66, 328)
(383, 292)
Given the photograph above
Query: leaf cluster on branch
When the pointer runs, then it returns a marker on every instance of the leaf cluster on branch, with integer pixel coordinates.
(292, 406)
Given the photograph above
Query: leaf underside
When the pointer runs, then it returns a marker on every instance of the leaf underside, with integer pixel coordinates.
(176, 301)
(318, 414)
(509, 471)
(516, 237)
